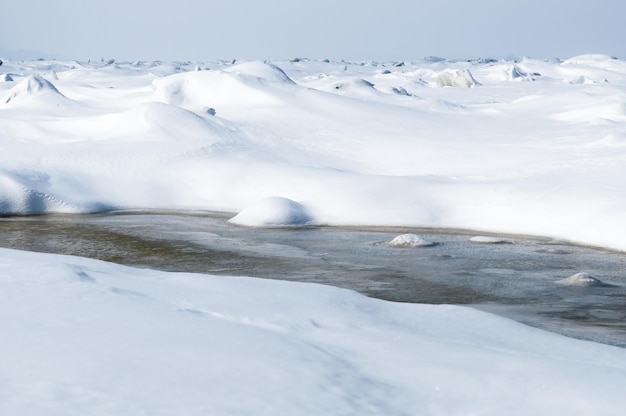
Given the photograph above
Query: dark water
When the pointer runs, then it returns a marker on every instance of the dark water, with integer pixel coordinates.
(516, 280)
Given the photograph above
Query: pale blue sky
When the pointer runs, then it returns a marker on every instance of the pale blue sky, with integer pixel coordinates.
(335, 29)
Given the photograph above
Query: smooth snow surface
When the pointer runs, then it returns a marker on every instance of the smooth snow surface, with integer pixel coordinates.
(86, 337)
(533, 147)
(273, 212)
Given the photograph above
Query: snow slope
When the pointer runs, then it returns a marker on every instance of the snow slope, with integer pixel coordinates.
(533, 147)
(87, 337)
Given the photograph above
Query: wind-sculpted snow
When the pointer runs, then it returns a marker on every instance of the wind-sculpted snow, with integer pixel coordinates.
(533, 147)
(34, 91)
(23, 192)
(87, 337)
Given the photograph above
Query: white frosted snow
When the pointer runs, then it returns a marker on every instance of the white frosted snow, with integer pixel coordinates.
(410, 240)
(86, 337)
(483, 239)
(388, 147)
(273, 212)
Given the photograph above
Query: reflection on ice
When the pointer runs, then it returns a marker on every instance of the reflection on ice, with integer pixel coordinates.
(518, 280)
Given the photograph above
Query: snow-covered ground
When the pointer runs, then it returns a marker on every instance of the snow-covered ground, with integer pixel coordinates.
(532, 147)
(86, 337)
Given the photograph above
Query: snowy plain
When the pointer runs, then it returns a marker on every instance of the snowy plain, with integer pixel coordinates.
(529, 147)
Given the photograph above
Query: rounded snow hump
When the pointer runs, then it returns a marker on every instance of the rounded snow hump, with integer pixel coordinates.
(274, 212)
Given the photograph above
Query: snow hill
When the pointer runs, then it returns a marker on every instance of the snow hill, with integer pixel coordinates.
(531, 146)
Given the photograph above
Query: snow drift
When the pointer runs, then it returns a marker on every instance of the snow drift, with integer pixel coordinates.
(87, 337)
(35, 91)
(388, 147)
(274, 212)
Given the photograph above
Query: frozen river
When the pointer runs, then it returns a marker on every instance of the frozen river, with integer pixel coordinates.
(516, 279)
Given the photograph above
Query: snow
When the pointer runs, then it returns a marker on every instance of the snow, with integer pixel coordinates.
(410, 240)
(581, 279)
(483, 239)
(274, 212)
(303, 143)
(87, 337)
(361, 143)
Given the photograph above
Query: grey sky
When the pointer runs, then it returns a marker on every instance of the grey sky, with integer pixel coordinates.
(335, 29)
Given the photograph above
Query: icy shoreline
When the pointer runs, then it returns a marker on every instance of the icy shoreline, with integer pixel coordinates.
(531, 147)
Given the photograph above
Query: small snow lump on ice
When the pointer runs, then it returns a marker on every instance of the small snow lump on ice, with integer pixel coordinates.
(481, 239)
(410, 240)
(274, 212)
(581, 279)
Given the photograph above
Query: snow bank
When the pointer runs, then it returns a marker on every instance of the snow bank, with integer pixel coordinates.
(87, 337)
(543, 157)
(19, 194)
(274, 212)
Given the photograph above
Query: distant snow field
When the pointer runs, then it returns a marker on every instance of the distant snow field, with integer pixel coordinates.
(531, 146)
(528, 147)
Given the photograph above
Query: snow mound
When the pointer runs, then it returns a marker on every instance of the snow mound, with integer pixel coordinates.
(456, 78)
(587, 59)
(245, 86)
(581, 279)
(515, 73)
(19, 197)
(410, 240)
(274, 212)
(35, 90)
(264, 72)
(481, 239)
(6, 78)
(157, 121)
(354, 84)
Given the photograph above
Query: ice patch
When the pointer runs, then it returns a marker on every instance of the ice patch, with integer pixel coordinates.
(274, 212)
(410, 240)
